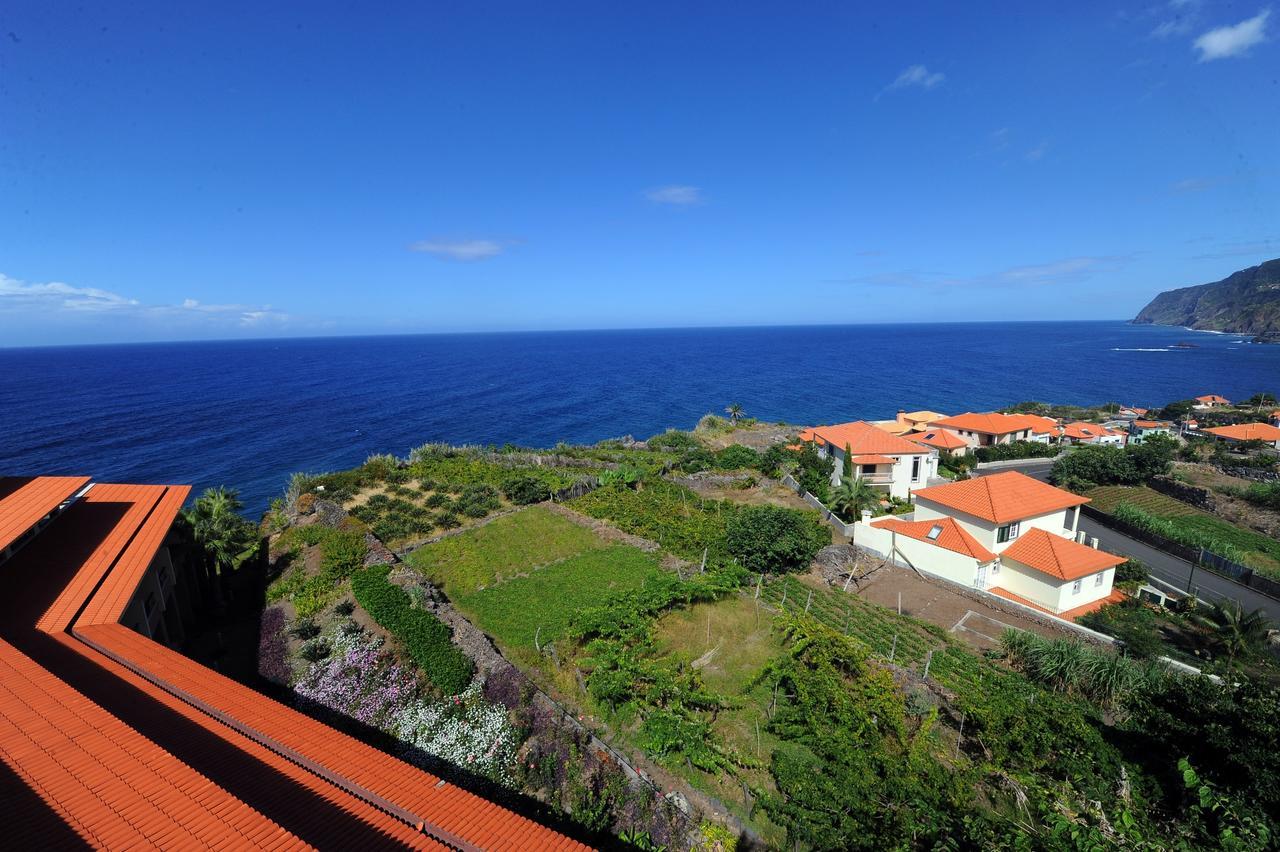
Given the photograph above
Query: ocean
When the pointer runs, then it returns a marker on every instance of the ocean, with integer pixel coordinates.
(246, 414)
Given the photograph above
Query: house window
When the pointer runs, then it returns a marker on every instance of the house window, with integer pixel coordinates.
(1075, 587)
(934, 532)
(1097, 580)
(1008, 532)
(915, 468)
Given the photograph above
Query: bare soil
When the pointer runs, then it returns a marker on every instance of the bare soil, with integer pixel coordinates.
(758, 436)
(1233, 509)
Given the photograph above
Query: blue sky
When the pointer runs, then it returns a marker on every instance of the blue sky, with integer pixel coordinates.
(186, 170)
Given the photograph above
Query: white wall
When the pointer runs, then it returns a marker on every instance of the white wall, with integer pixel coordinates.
(926, 557)
(901, 484)
(1050, 592)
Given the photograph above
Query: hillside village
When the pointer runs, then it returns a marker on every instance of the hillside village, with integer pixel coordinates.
(921, 630)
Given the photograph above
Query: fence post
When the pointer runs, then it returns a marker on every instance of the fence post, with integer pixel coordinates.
(807, 602)
(759, 584)
(928, 660)
(894, 648)
(782, 605)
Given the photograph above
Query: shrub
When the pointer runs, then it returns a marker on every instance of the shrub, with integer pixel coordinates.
(438, 501)
(448, 520)
(425, 637)
(697, 459)
(773, 538)
(345, 607)
(1015, 450)
(736, 456)
(1132, 572)
(476, 501)
(523, 489)
(673, 439)
(306, 629)
(315, 650)
(272, 662)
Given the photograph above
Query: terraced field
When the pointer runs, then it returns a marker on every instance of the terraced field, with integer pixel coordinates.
(1107, 497)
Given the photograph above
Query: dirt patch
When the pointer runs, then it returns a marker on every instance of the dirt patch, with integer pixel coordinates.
(972, 621)
(1239, 512)
(758, 436)
(769, 492)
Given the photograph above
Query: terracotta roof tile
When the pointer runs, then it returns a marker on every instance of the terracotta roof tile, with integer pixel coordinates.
(872, 459)
(938, 438)
(994, 423)
(862, 439)
(1247, 432)
(1001, 497)
(1059, 557)
(26, 500)
(950, 535)
(1072, 614)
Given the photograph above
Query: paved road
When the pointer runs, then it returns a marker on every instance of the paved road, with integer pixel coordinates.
(1034, 468)
(1176, 571)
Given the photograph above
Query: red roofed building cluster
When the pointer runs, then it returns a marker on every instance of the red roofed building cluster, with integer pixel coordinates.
(112, 739)
(884, 460)
(1006, 533)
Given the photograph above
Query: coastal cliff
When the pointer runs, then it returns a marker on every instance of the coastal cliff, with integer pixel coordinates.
(1245, 302)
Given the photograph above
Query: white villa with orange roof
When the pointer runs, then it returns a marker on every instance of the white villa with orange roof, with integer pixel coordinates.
(1241, 432)
(985, 430)
(1007, 534)
(908, 421)
(1211, 400)
(884, 460)
(1092, 433)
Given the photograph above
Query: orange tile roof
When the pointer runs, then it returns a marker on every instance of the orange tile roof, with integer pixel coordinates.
(129, 743)
(1086, 431)
(873, 459)
(1213, 399)
(939, 438)
(1247, 432)
(994, 423)
(1061, 558)
(25, 500)
(862, 439)
(1135, 409)
(1152, 424)
(1001, 497)
(952, 536)
(1072, 614)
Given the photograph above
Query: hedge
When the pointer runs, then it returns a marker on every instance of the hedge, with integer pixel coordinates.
(425, 637)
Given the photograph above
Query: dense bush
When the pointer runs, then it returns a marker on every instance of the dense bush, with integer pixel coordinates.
(675, 517)
(774, 538)
(674, 440)
(523, 489)
(1133, 623)
(736, 456)
(476, 501)
(1089, 466)
(316, 649)
(1016, 450)
(425, 637)
(696, 459)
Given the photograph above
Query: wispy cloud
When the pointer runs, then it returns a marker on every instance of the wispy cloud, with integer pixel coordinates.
(678, 194)
(1183, 16)
(1072, 270)
(1037, 153)
(54, 299)
(462, 250)
(1234, 40)
(914, 77)
(1195, 184)
(1246, 249)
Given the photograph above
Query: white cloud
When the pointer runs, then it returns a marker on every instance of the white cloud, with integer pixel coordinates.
(674, 194)
(1037, 153)
(917, 76)
(1184, 16)
(1072, 270)
(55, 300)
(463, 250)
(1235, 40)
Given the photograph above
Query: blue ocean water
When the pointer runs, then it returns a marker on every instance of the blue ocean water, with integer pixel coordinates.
(248, 413)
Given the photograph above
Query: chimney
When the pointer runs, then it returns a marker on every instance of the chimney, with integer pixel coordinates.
(866, 516)
(902, 416)
(1093, 542)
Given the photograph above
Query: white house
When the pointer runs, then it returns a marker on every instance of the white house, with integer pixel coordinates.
(1092, 433)
(884, 460)
(1143, 429)
(1007, 534)
(985, 430)
(1211, 400)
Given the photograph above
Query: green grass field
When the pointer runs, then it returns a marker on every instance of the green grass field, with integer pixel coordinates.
(1256, 550)
(513, 611)
(1107, 497)
(507, 546)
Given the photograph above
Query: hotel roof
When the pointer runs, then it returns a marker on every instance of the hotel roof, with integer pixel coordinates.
(1060, 558)
(115, 740)
(1001, 497)
(994, 423)
(1246, 432)
(862, 439)
(25, 501)
(944, 532)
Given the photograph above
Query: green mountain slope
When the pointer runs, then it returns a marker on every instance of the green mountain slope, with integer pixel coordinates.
(1245, 302)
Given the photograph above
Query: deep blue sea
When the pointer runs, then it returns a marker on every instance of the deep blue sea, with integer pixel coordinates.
(248, 413)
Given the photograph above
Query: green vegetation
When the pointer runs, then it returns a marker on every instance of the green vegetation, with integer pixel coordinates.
(1016, 450)
(1106, 498)
(425, 637)
(1199, 530)
(342, 553)
(774, 539)
(1089, 466)
(675, 517)
(542, 604)
(504, 547)
(224, 541)
(1071, 667)
(1240, 635)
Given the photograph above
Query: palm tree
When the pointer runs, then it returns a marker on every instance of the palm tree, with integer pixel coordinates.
(852, 496)
(224, 538)
(735, 412)
(1238, 633)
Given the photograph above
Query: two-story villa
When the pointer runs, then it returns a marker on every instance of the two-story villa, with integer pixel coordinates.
(884, 460)
(1140, 430)
(985, 430)
(1007, 534)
